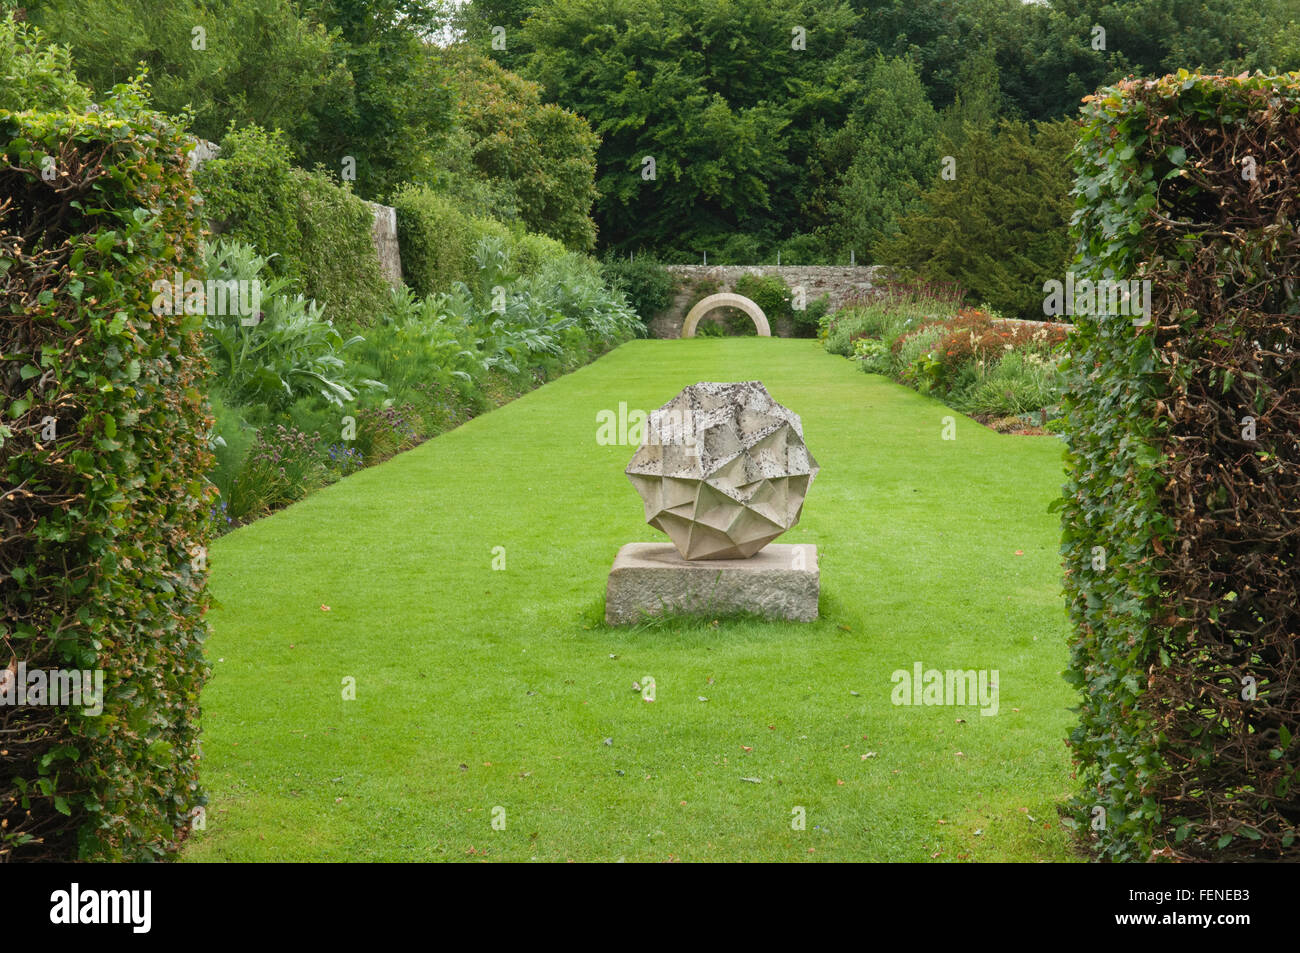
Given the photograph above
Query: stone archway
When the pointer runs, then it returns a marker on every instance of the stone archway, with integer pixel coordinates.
(726, 299)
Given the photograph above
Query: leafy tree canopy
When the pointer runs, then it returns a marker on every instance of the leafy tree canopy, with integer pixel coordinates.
(706, 109)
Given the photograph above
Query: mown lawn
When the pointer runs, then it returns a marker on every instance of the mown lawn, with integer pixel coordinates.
(479, 689)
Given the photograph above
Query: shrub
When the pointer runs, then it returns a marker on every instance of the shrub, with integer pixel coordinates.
(314, 231)
(37, 75)
(338, 259)
(769, 292)
(438, 239)
(529, 251)
(808, 320)
(248, 195)
(649, 286)
(104, 429)
(1179, 531)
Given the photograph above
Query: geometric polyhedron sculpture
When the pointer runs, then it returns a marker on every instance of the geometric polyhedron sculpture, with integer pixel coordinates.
(722, 469)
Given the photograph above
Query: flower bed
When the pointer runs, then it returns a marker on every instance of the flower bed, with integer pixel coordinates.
(1002, 372)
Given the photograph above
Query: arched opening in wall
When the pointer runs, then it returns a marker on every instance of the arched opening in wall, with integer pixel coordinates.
(727, 307)
(726, 322)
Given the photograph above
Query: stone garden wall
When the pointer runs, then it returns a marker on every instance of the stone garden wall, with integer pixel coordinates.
(694, 282)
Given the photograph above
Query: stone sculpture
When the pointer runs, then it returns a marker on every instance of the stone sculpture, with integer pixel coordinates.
(723, 470)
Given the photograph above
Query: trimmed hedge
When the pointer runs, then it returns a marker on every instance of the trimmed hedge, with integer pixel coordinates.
(1180, 528)
(104, 434)
(319, 231)
(437, 239)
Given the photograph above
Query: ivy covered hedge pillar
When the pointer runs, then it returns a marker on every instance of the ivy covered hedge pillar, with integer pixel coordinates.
(103, 506)
(1181, 516)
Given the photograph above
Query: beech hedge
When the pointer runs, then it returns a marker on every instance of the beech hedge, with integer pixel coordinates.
(1181, 515)
(104, 432)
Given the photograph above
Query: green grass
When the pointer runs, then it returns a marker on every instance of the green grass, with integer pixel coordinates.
(478, 688)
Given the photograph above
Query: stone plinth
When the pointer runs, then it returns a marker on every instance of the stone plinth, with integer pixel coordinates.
(780, 582)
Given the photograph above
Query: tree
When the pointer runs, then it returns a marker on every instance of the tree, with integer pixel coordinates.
(999, 228)
(895, 129)
(242, 61)
(706, 109)
(978, 101)
(353, 84)
(492, 27)
(539, 156)
(399, 107)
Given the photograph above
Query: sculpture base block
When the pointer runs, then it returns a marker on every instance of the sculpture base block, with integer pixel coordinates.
(781, 581)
